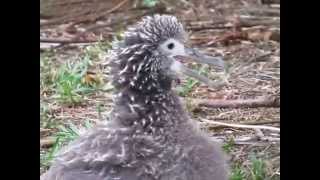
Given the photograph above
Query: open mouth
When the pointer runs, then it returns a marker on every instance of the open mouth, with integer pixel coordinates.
(193, 55)
(182, 59)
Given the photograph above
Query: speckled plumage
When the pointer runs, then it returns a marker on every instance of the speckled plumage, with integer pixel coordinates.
(149, 137)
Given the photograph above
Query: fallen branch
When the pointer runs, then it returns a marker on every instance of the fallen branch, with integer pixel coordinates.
(271, 139)
(60, 20)
(249, 34)
(243, 103)
(269, 1)
(241, 125)
(100, 26)
(259, 144)
(262, 11)
(247, 22)
(44, 130)
(83, 13)
(116, 7)
(237, 22)
(255, 139)
(78, 36)
(65, 41)
(205, 27)
(263, 122)
(47, 142)
(246, 139)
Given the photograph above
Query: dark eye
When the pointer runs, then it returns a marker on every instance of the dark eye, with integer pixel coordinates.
(170, 46)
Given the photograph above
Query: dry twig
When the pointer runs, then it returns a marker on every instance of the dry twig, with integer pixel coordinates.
(59, 20)
(47, 142)
(262, 11)
(241, 125)
(64, 41)
(243, 103)
(269, 1)
(99, 26)
(263, 122)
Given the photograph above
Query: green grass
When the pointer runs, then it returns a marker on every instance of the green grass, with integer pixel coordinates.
(256, 170)
(67, 82)
(150, 3)
(63, 82)
(187, 88)
(99, 110)
(46, 119)
(69, 85)
(47, 71)
(238, 173)
(64, 135)
(228, 146)
(191, 82)
(94, 52)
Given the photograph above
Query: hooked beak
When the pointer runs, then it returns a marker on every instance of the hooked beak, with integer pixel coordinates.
(195, 55)
(215, 62)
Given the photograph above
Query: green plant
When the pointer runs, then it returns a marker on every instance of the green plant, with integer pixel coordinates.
(255, 170)
(94, 52)
(47, 120)
(150, 3)
(46, 71)
(186, 89)
(238, 173)
(99, 110)
(63, 136)
(228, 146)
(258, 170)
(69, 86)
(68, 82)
(191, 83)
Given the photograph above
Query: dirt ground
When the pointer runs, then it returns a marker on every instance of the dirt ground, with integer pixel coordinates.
(246, 33)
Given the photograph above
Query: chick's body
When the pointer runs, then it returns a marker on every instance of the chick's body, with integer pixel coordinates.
(149, 136)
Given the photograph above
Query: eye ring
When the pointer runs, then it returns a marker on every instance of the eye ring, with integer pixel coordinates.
(170, 46)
